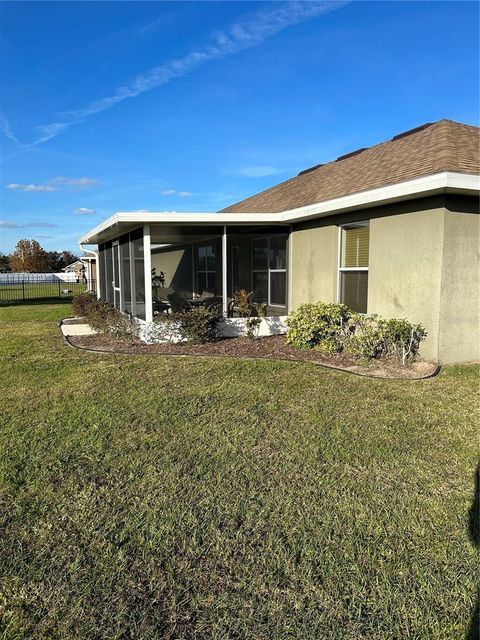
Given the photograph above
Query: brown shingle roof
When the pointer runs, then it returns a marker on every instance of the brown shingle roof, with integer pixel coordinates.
(432, 148)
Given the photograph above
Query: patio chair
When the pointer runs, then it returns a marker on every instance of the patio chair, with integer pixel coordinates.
(213, 301)
(178, 303)
(160, 307)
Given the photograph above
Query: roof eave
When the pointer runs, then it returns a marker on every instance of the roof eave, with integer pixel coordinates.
(443, 182)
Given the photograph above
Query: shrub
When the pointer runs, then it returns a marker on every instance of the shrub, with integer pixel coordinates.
(101, 316)
(332, 328)
(197, 325)
(252, 311)
(377, 338)
(83, 302)
(312, 324)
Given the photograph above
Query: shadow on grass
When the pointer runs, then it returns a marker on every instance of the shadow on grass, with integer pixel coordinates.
(473, 632)
(20, 303)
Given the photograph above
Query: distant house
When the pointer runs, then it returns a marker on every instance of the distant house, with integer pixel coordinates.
(392, 229)
(84, 269)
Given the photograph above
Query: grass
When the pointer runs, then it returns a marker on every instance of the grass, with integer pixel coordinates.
(154, 497)
(18, 293)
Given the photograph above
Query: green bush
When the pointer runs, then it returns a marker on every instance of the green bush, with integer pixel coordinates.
(333, 328)
(378, 338)
(313, 323)
(101, 316)
(198, 325)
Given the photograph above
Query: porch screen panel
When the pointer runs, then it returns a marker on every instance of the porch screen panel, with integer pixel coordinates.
(278, 252)
(125, 281)
(278, 287)
(207, 269)
(101, 268)
(260, 269)
(278, 270)
(260, 286)
(108, 291)
(116, 274)
(139, 273)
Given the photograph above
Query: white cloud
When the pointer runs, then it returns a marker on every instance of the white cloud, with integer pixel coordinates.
(55, 184)
(249, 32)
(255, 172)
(79, 183)
(173, 192)
(82, 211)
(30, 187)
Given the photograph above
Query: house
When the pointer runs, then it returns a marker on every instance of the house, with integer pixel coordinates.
(84, 269)
(392, 229)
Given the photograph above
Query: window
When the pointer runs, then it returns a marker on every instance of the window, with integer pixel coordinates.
(270, 270)
(353, 269)
(206, 272)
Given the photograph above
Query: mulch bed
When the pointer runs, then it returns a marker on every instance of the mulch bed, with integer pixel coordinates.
(272, 348)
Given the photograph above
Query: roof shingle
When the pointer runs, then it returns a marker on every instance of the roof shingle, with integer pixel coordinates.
(442, 146)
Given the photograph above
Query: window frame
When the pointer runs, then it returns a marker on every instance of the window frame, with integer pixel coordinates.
(206, 271)
(268, 270)
(341, 269)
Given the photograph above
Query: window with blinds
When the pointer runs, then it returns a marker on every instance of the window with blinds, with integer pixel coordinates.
(353, 266)
(355, 240)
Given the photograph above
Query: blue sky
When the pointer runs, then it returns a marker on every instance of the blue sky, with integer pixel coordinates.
(190, 106)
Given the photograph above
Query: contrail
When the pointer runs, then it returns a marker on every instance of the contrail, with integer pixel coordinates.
(249, 32)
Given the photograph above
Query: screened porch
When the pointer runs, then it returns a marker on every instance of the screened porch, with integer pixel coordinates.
(140, 269)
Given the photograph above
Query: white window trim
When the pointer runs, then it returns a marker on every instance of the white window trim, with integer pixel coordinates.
(341, 269)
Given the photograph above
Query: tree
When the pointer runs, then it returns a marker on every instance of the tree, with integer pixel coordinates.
(4, 263)
(67, 258)
(28, 256)
(58, 260)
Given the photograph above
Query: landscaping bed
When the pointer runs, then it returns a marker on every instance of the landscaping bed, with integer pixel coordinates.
(271, 347)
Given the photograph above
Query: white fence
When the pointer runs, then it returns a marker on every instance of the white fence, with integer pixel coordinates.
(32, 278)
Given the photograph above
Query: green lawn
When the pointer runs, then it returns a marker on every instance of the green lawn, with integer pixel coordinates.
(153, 497)
(38, 290)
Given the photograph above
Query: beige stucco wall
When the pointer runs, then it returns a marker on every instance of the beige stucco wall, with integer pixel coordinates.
(459, 323)
(314, 260)
(177, 266)
(405, 270)
(423, 266)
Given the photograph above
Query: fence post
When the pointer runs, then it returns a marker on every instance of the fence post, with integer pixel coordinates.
(23, 289)
(59, 293)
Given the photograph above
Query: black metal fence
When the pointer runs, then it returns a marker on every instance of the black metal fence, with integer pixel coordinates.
(13, 290)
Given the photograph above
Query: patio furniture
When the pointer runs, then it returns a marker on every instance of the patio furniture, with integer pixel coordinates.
(178, 303)
(160, 307)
